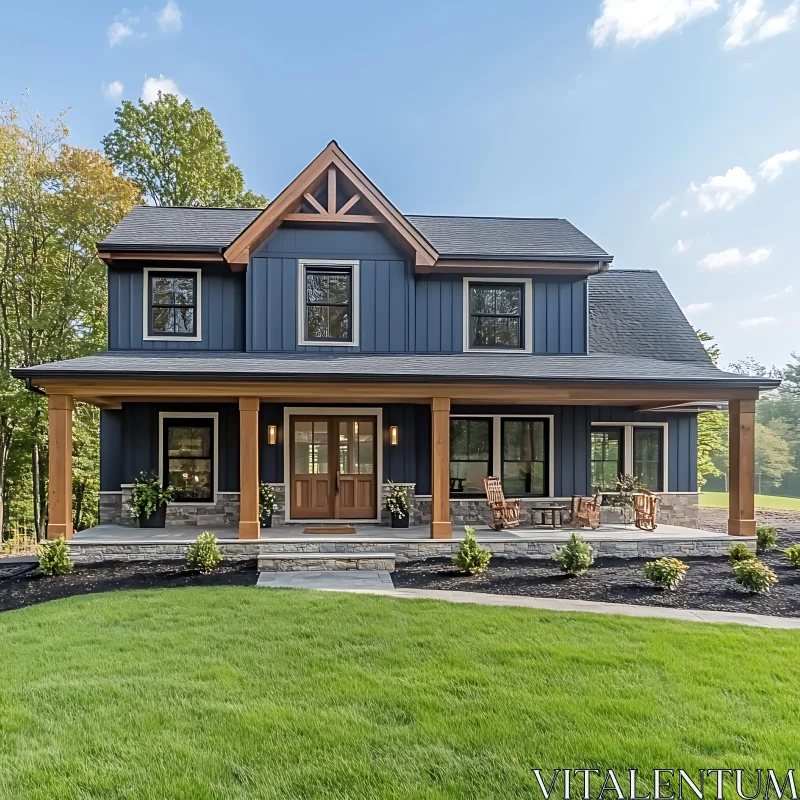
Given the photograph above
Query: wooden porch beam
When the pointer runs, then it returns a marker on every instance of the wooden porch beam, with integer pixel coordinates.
(60, 407)
(441, 526)
(249, 526)
(741, 465)
(359, 219)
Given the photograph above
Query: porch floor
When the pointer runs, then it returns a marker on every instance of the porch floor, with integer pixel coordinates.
(122, 534)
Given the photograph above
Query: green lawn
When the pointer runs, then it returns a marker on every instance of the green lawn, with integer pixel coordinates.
(720, 500)
(245, 692)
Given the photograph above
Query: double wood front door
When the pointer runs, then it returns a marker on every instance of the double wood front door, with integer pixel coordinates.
(332, 466)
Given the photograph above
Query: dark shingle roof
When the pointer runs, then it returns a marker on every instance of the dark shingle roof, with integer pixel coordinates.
(178, 228)
(632, 312)
(504, 237)
(484, 367)
(163, 228)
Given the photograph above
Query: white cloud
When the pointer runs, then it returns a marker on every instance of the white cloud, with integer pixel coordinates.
(696, 308)
(684, 214)
(782, 293)
(681, 246)
(152, 86)
(634, 21)
(662, 208)
(724, 192)
(748, 23)
(114, 90)
(772, 168)
(734, 256)
(170, 18)
(756, 321)
(118, 32)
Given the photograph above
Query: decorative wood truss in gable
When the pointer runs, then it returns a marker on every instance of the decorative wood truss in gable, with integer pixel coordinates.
(330, 190)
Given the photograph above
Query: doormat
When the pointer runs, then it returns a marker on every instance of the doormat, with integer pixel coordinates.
(330, 529)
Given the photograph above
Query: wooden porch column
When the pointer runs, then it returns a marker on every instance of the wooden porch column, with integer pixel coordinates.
(59, 521)
(441, 527)
(249, 527)
(741, 467)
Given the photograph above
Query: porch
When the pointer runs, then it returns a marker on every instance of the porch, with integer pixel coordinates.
(109, 542)
(258, 418)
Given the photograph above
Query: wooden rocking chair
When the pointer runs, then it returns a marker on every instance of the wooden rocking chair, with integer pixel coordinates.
(585, 511)
(505, 513)
(645, 504)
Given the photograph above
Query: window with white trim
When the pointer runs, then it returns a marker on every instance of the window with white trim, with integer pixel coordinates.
(637, 449)
(328, 303)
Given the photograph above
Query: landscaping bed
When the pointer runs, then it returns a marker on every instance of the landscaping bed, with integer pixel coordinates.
(709, 583)
(23, 585)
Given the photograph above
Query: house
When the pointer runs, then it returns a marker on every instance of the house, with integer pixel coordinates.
(330, 344)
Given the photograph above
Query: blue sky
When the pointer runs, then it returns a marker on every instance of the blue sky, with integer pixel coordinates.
(600, 111)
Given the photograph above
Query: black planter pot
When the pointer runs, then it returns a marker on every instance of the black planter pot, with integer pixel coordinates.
(266, 522)
(398, 522)
(158, 519)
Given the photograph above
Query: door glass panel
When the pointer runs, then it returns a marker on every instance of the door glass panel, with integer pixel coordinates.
(311, 447)
(356, 447)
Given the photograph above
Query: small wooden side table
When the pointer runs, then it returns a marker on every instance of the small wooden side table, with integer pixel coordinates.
(555, 515)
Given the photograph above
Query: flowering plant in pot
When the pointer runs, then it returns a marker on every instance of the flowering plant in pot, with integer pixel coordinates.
(149, 500)
(268, 503)
(398, 505)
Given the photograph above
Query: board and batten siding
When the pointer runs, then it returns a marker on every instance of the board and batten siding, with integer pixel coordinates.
(222, 299)
(386, 296)
(559, 314)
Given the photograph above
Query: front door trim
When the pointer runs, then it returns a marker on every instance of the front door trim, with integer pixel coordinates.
(328, 411)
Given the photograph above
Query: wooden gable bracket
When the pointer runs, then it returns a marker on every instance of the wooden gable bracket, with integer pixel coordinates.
(300, 202)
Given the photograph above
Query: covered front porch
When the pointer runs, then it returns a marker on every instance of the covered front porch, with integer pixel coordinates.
(262, 412)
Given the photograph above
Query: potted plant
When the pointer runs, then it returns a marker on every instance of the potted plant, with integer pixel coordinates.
(622, 498)
(149, 500)
(398, 505)
(267, 504)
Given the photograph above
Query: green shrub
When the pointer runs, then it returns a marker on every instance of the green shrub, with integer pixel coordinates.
(471, 557)
(203, 555)
(767, 536)
(666, 573)
(148, 495)
(755, 576)
(793, 554)
(54, 558)
(576, 556)
(740, 552)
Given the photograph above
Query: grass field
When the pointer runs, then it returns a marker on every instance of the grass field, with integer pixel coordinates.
(239, 692)
(720, 500)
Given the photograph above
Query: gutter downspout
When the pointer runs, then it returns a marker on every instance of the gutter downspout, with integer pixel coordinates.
(31, 388)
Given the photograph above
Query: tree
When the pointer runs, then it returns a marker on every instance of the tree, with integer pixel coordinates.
(56, 201)
(711, 427)
(773, 453)
(176, 154)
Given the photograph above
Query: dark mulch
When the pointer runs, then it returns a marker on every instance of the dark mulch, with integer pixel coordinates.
(23, 585)
(709, 583)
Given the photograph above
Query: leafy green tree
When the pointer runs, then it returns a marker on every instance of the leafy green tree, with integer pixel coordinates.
(56, 201)
(712, 428)
(177, 155)
(773, 452)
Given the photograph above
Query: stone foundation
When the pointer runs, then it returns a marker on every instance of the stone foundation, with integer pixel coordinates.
(648, 546)
(110, 509)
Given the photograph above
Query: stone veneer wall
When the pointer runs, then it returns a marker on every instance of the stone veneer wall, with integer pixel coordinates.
(412, 549)
(674, 509)
(115, 508)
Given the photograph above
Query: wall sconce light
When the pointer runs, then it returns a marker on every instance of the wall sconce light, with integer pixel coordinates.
(393, 434)
(272, 434)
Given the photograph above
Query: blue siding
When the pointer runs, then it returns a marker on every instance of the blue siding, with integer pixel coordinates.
(385, 290)
(221, 315)
(559, 314)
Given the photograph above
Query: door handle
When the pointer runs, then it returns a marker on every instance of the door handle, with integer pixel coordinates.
(337, 481)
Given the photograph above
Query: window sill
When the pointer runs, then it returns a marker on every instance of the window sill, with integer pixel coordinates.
(325, 343)
(509, 352)
(172, 338)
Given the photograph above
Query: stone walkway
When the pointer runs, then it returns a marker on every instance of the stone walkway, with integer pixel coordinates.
(380, 582)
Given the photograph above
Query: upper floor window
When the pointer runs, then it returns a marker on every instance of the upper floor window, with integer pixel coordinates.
(497, 315)
(172, 304)
(328, 303)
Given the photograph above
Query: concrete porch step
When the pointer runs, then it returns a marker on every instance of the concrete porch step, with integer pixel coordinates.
(302, 562)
